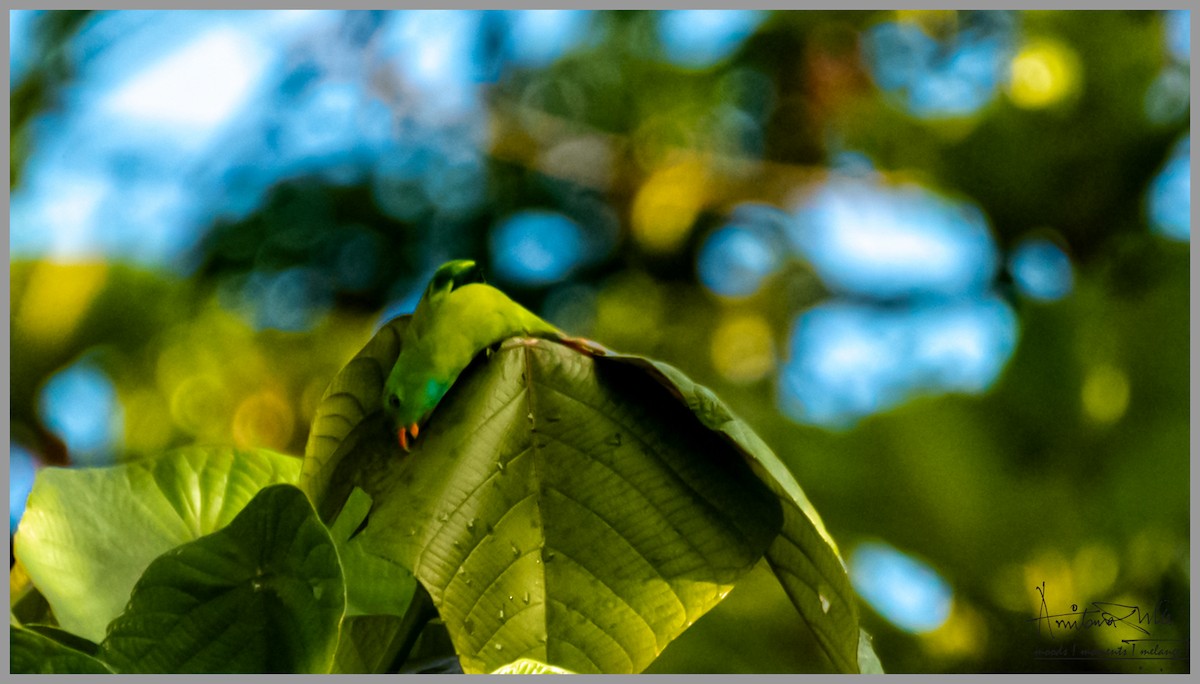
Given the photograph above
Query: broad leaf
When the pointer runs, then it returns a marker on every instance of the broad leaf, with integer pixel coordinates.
(804, 557)
(89, 533)
(264, 594)
(527, 666)
(34, 653)
(564, 514)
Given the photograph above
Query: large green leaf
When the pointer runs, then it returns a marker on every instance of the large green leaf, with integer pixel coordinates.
(556, 512)
(33, 653)
(804, 557)
(89, 533)
(263, 594)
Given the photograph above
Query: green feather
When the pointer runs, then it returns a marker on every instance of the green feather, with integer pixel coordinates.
(458, 316)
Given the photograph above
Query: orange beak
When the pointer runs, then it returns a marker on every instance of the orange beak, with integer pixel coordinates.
(402, 435)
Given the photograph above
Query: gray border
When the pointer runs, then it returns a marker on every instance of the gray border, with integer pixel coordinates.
(302, 4)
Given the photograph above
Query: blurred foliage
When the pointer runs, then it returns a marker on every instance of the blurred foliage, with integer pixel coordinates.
(1071, 469)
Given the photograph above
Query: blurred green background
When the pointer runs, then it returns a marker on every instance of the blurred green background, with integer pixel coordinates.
(937, 259)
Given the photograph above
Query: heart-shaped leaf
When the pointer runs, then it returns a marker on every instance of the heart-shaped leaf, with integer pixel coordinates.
(263, 594)
(89, 533)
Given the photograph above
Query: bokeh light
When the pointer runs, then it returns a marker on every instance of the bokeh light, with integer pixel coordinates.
(1179, 34)
(539, 37)
(849, 360)
(743, 349)
(1170, 198)
(79, 404)
(22, 467)
(1044, 72)
(263, 420)
(735, 259)
(535, 248)
(666, 206)
(194, 89)
(21, 53)
(56, 297)
(905, 591)
(1105, 393)
(937, 77)
(1041, 270)
(701, 38)
(883, 241)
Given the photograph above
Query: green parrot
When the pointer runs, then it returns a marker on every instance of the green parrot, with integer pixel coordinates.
(458, 316)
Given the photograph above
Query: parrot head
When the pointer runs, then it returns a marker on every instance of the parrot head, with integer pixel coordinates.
(458, 317)
(408, 401)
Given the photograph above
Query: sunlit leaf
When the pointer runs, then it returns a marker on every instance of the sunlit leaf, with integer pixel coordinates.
(868, 662)
(527, 666)
(34, 653)
(264, 594)
(804, 557)
(89, 533)
(563, 513)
